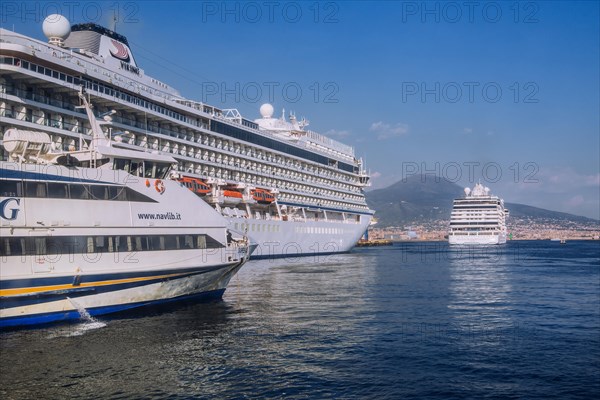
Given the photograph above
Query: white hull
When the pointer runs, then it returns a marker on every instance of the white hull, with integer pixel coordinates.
(76, 304)
(475, 238)
(276, 238)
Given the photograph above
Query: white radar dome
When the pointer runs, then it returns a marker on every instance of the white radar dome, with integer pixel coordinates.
(266, 110)
(56, 28)
(467, 191)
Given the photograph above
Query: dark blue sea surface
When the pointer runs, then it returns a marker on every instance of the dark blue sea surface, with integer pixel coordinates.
(416, 320)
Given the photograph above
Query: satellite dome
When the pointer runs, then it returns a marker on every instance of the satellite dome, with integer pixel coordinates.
(56, 28)
(467, 191)
(266, 110)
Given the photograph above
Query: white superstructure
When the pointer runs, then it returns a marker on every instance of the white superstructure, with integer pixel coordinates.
(101, 230)
(478, 218)
(293, 191)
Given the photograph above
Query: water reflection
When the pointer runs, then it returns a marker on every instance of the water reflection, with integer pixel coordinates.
(480, 288)
(288, 320)
(418, 320)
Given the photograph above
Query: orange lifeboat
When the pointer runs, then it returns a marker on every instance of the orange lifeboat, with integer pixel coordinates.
(231, 196)
(232, 193)
(262, 196)
(196, 185)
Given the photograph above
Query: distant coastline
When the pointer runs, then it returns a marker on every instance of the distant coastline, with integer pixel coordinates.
(517, 230)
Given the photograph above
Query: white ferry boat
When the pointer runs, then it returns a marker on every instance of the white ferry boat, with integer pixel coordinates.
(294, 191)
(478, 218)
(101, 230)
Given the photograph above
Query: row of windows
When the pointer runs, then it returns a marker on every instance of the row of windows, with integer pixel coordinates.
(59, 190)
(93, 85)
(57, 245)
(319, 230)
(215, 125)
(206, 155)
(469, 207)
(473, 223)
(257, 227)
(250, 137)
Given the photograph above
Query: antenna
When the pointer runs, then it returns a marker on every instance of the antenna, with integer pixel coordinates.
(114, 21)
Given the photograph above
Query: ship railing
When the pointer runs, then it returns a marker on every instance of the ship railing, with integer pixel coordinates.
(334, 144)
(344, 151)
(68, 55)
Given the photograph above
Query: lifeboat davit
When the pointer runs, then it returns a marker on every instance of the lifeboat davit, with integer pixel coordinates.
(196, 185)
(263, 196)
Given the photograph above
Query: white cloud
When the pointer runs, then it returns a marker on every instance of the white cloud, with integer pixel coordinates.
(567, 178)
(387, 131)
(551, 187)
(375, 174)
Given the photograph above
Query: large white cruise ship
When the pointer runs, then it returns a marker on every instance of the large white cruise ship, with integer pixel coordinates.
(478, 218)
(294, 191)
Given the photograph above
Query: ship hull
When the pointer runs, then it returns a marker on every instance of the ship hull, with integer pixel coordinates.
(477, 239)
(276, 238)
(36, 302)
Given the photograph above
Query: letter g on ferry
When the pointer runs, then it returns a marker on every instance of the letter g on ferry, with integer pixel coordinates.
(8, 213)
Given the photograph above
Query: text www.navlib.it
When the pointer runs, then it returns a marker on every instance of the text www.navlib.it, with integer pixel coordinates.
(167, 215)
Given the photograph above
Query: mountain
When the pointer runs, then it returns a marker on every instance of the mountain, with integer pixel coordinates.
(414, 199)
(427, 198)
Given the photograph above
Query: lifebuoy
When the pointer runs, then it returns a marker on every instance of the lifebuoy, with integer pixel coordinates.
(159, 186)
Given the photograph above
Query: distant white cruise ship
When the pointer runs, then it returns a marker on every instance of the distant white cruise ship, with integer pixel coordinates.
(478, 218)
(294, 191)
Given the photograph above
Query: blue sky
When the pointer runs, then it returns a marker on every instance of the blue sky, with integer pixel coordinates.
(502, 92)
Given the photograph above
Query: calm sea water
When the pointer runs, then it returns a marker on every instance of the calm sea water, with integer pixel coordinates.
(418, 320)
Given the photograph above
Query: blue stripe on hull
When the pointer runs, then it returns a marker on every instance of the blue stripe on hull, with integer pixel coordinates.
(68, 279)
(43, 176)
(72, 315)
(75, 292)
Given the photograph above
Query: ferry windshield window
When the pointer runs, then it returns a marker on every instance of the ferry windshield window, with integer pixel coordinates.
(155, 170)
(35, 189)
(58, 191)
(10, 189)
(136, 168)
(55, 245)
(120, 164)
(149, 170)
